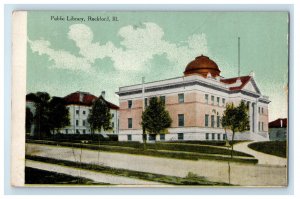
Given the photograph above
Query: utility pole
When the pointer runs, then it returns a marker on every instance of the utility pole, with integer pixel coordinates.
(239, 55)
(143, 92)
(143, 98)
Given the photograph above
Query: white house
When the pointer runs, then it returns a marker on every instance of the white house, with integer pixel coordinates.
(79, 105)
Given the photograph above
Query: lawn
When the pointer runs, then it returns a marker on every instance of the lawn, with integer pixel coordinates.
(37, 176)
(207, 142)
(197, 148)
(277, 148)
(190, 179)
(166, 150)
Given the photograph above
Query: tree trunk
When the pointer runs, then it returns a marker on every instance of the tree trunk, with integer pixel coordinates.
(232, 143)
(144, 138)
(92, 133)
(99, 147)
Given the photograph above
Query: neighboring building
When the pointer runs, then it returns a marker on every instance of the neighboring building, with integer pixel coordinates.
(278, 129)
(196, 102)
(80, 105)
(30, 103)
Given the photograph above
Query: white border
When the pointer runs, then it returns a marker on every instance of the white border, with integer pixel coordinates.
(19, 51)
(294, 95)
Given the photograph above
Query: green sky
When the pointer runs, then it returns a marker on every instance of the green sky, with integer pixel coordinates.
(67, 56)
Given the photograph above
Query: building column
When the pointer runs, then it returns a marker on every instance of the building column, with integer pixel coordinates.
(255, 118)
(250, 116)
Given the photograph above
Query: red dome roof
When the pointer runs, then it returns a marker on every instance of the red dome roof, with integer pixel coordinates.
(202, 65)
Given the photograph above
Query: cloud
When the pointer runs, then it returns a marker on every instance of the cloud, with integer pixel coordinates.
(139, 45)
(61, 58)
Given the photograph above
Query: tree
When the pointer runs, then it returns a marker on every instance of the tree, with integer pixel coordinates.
(155, 118)
(41, 118)
(236, 119)
(29, 120)
(100, 116)
(58, 114)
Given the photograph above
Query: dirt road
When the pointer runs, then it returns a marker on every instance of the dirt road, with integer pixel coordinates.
(240, 173)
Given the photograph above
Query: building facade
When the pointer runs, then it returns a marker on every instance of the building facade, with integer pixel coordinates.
(79, 105)
(196, 102)
(278, 129)
(30, 104)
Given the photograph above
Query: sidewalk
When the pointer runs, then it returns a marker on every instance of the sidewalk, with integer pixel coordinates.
(93, 175)
(263, 158)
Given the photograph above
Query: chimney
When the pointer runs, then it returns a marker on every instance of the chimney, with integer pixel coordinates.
(252, 74)
(281, 123)
(103, 94)
(238, 81)
(80, 97)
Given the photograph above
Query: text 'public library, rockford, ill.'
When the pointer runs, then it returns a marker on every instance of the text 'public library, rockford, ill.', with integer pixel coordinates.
(195, 102)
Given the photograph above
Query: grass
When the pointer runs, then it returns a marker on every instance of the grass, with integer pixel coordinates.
(190, 179)
(207, 142)
(178, 146)
(37, 176)
(164, 150)
(277, 148)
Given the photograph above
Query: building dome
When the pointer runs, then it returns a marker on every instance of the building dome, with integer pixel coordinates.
(202, 65)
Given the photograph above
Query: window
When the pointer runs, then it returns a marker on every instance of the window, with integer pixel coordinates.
(83, 131)
(129, 103)
(77, 131)
(112, 124)
(206, 120)
(218, 121)
(129, 123)
(83, 122)
(181, 98)
(223, 101)
(212, 121)
(77, 112)
(83, 112)
(180, 119)
(152, 137)
(262, 126)
(224, 136)
(112, 115)
(129, 137)
(77, 122)
(212, 136)
(262, 110)
(180, 136)
(218, 101)
(66, 131)
(162, 137)
(219, 136)
(258, 109)
(207, 136)
(212, 100)
(163, 99)
(206, 98)
(146, 102)
(259, 126)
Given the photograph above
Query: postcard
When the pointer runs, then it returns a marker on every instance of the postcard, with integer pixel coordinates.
(150, 99)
